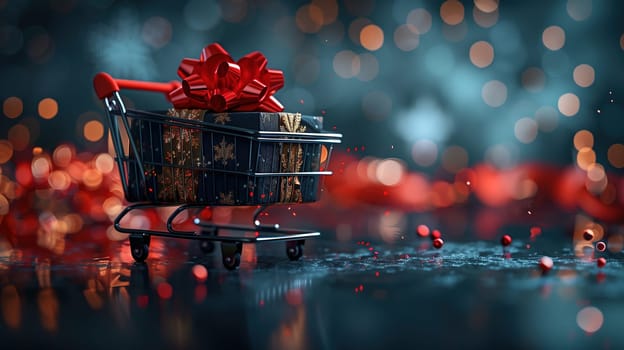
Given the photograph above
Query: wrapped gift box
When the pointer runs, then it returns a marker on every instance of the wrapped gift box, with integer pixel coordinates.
(208, 165)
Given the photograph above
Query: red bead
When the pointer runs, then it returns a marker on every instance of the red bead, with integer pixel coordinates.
(588, 235)
(422, 230)
(438, 243)
(436, 234)
(546, 263)
(601, 246)
(506, 240)
(601, 262)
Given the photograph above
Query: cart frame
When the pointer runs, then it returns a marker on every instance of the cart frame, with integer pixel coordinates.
(107, 89)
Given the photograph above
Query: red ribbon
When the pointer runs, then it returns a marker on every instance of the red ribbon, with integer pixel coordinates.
(215, 82)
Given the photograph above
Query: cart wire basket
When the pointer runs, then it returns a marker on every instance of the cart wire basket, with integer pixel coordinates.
(200, 170)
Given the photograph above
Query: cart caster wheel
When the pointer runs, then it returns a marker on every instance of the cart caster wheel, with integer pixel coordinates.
(206, 247)
(231, 254)
(139, 247)
(294, 250)
(231, 262)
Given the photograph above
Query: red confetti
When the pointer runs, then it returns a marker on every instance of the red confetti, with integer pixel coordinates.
(546, 263)
(535, 231)
(601, 246)
(601, 262)
(506, 240)
(438, 243)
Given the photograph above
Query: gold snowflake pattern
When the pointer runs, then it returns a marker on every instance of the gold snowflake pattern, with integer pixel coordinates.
(227, 199)
(222, 118)
(223, 152)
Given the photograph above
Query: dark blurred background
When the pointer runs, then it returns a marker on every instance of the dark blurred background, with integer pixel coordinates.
(438, 85)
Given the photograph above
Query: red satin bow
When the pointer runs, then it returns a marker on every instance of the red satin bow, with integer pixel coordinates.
(216, 83)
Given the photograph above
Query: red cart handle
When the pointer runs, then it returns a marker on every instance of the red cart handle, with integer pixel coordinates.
(105, 85)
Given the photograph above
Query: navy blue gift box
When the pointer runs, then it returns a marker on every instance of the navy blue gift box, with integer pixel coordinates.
(197, 157)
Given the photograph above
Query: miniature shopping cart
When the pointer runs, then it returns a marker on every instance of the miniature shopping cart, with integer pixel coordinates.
(202, 169)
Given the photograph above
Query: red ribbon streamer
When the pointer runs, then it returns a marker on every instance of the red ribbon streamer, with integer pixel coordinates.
(216, 83)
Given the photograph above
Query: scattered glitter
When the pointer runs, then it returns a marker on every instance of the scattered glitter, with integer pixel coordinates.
(535, 231)
(506, 240)
(601, 262)
(601, 246)
(588, 235)
(438, 243)
(546, 263)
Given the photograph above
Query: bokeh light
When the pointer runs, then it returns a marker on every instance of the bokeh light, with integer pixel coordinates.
(309, 18)
(372, 37)
(424, 152)
(13, 107)
(390, 171)
(346, 64)
(63, 155)
(615, 155)
(486, 6)
(452, 12)
(329, 9)
(579, 10)
(494, 93)
(19, 135)
(405, 38)
(156, 32)
(418, 21)
(583, 138)
(585, 157)
(6, 151)
(355, 29)
(93, 130)
(481, 54)
(484, 19)
(569, 104)
(584, 75)
(525, 130)
(553, 38)
(590, 319)
(48, 108)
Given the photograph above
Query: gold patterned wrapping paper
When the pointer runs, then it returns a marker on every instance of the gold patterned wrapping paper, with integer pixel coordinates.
(182, 150)
(187, 150)
(291, 159)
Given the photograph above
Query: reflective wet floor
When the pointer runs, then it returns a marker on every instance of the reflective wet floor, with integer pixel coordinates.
(342, 294)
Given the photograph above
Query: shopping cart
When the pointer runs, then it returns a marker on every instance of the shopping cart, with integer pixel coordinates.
(203, 180)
